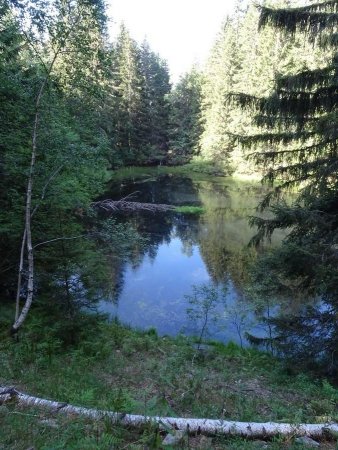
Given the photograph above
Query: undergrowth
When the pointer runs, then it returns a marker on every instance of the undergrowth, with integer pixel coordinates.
(115, 368)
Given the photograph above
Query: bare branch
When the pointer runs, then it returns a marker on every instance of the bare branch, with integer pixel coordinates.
(60, 239)
(44, 190)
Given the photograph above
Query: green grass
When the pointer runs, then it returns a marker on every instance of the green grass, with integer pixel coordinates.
(119, 369)
(190, 210)
(194, 170)
(29, 428)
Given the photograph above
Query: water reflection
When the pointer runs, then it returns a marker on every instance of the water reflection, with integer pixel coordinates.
(184, 251)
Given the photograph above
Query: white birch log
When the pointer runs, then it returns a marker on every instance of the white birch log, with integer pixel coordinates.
(190, 425)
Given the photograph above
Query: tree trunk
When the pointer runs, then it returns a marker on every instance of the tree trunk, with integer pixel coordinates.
(27, 235)
(191, 425)
(21, 263)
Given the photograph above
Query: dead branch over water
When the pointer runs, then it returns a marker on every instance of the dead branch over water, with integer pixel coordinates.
(126, 205)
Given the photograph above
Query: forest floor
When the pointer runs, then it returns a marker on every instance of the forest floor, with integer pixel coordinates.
(118, 369)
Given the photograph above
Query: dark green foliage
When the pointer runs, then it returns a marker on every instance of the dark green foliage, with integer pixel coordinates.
(219, 119)
(185, 116)
(242, 60)
(157, 88)
(299, 130)
(70, 147)
(16, 97)
(99, 103)
(135, 115)
(312, 19)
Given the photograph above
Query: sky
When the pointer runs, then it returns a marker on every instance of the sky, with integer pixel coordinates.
(181, 31)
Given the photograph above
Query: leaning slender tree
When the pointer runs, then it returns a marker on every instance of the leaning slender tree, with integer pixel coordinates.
(51, 31)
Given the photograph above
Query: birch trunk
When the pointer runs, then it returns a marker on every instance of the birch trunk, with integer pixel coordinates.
(23, 245)
(27, 235)
(18, 289)
(190, 425)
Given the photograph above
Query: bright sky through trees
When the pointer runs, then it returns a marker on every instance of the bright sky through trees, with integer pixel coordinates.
(182, 31)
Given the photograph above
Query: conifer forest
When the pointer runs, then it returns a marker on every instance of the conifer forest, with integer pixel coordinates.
(169, 248)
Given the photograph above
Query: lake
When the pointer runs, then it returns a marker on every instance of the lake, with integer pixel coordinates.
(188, 260)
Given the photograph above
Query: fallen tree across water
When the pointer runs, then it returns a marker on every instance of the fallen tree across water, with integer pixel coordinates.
(123, 205)
(190, 425)
(130, 206)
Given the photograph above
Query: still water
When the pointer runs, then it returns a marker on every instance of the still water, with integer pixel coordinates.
(184, 253)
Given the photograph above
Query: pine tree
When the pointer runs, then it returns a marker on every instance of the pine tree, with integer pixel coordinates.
(185, 116)
(298, 147)
(156, 91)
(135, 115)
(299, 127)
(217, 117)
(129, 109)
(245, 60)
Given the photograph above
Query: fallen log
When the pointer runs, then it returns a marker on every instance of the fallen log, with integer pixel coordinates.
(190, 425)
(127, 206)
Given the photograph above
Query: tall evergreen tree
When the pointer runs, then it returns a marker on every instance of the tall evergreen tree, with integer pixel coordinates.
(129, 109)
(298, 147)
(157, 88)
(185, 116)
(243, 60)
(135, 116)
(217, 117)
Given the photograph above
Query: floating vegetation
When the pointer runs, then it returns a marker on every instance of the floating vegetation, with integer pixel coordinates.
(190, 209)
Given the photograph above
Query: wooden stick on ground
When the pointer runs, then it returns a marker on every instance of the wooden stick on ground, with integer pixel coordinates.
(191, 425)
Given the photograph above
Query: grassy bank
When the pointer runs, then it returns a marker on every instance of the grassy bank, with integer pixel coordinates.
(193, 170)
(119, 369)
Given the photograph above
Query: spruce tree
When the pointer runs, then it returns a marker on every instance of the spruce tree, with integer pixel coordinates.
(185, 116)
(298, 147)
(217, 117)
(299, 129)
(244, 60)
(135, 114)
(128, 105)
(156, 90)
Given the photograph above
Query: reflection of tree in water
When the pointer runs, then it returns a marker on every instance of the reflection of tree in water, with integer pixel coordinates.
(186, 228)
(116, 268)
(167, 189)
(310, 337)
(157, 228)
(221, 232)
(304, 327)
(224, 230)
